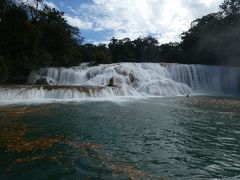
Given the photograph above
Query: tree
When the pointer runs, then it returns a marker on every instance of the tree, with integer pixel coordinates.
(37, 3)
(150, 49)
(138, 50)
(230, 7)
(171, 52)
(27, 42)
(102, 55)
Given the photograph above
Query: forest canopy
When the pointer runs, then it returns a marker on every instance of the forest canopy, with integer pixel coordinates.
(32, 37)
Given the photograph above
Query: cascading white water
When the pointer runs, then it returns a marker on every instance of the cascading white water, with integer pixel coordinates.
(206, 79)
(125, 79)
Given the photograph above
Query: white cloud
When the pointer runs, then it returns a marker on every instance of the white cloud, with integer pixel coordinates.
(40, 5)
(133, 18)
(165, 19)
(72, 20)
(51, 4)
(77, 22)
(72, 10)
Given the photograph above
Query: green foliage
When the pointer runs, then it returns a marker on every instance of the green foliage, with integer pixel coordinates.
(138, 50)
(32, 38)
(230, 7)
(3, 70)
(102, 55)
(99, 54)
(171, 52)
(214, 38)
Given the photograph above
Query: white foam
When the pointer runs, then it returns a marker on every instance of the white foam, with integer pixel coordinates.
(130, 80)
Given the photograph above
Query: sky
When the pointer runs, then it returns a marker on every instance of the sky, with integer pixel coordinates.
(100, 20)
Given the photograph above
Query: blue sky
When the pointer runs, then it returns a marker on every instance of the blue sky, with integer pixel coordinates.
(100, 20)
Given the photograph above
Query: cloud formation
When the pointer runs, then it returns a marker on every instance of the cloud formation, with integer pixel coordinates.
(51, 4)
(77, 22)
(164, 19)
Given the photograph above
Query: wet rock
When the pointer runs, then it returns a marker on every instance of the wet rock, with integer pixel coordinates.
(51, 83)
(44, 81)
(111, 83)
(133, 80)
(88, 76)
(131, 77)
(114, 82)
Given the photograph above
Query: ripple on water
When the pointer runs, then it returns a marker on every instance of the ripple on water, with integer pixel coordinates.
(185, 138)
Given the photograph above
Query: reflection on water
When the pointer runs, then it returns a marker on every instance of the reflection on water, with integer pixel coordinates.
(159, 138)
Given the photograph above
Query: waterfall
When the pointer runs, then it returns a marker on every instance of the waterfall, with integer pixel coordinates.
(125, 80)
(206, 79)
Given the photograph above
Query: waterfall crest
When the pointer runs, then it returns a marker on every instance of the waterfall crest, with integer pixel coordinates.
(125, 79)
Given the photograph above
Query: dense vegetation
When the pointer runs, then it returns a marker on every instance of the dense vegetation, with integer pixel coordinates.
(214, 38)
(33, 37)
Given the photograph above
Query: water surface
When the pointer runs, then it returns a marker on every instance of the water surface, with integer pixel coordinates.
(185, 138)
